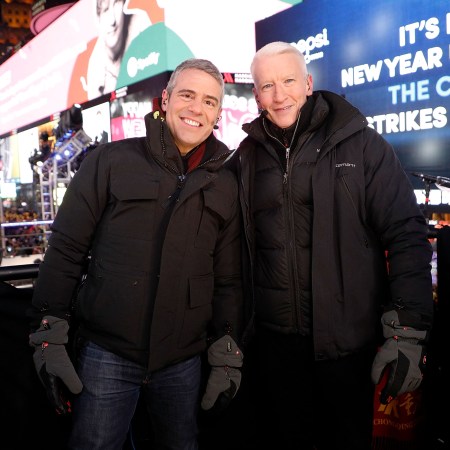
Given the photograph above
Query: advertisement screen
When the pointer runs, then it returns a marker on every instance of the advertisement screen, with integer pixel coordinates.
(239, 107)
(128, 116)
(390, 59)
(131, 105)
(96, 123)
(85, 54)
(15, 152)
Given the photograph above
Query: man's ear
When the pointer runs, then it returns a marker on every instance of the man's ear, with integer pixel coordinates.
(258, 103)
(309, 85)
(165, 99)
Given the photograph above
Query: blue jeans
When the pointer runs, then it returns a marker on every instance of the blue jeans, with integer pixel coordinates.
(102, 413)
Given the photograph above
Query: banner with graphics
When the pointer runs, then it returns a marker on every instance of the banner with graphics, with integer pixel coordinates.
(95, 48)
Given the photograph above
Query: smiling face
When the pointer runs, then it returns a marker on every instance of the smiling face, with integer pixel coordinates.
(193, 108)
(282, 86)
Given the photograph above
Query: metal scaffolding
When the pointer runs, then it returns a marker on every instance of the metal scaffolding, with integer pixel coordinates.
(56, 172)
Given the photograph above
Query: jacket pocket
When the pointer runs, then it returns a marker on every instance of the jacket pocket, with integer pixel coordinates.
(111, 301)
(198, 312)
(214, 213)
(134, 187)
(133, 209)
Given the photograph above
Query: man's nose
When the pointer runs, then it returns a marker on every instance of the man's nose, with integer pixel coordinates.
(195, 105)
(279, 93)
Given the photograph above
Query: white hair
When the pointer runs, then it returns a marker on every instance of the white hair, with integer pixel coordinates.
(278, 48)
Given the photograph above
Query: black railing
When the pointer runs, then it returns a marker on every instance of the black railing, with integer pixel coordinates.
(19, 272)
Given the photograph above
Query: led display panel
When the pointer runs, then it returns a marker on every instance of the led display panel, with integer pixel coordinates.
(390, 59)
(130, 106)
(239, 107)
(77, 59)
(96, 123)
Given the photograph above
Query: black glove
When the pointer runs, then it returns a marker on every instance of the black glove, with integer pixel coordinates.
(53, 365)
(403, 353)
(224, 380)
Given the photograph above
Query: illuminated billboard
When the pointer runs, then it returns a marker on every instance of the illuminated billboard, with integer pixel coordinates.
(96, 123)
(15, 152)
(81, 56)
(390, 59)
(239, 107)
(131, 104)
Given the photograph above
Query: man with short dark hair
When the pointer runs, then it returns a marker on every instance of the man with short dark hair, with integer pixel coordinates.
(157, 220)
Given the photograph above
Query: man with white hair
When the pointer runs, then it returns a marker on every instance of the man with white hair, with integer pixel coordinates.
(336, 244)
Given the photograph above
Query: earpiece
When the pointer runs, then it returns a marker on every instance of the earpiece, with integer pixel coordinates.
(216, 127)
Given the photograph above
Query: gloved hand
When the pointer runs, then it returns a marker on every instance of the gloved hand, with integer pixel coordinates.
(53, 366)
(225, 358)
(403, 353)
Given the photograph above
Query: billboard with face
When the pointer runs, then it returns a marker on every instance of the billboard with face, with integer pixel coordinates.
(98, 46)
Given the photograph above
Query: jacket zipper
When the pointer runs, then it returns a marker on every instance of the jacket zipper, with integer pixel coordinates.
(289, 227)
(288, 149)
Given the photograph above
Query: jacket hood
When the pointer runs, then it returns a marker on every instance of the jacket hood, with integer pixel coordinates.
(157, 133)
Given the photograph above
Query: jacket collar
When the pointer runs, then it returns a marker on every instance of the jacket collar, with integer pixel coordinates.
(162, 146)
(340, 117)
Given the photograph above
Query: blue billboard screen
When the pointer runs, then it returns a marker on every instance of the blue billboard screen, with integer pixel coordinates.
(390, 59)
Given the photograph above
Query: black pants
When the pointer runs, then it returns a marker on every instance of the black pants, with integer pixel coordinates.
(303, 404)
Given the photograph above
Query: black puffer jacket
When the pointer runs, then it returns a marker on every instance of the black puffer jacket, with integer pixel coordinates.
(362, 205)
(155, 311)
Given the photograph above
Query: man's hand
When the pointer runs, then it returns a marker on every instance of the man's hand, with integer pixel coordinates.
(224, 380)
(53, 365)
(403, 354)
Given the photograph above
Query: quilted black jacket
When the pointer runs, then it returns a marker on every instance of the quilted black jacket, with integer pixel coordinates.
(363, 208)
